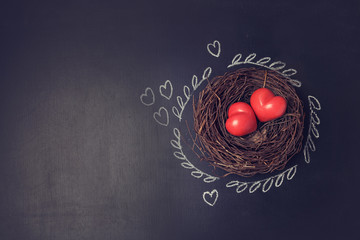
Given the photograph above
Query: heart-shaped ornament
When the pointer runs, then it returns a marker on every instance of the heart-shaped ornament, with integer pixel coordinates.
(241, 119)
(266, 105)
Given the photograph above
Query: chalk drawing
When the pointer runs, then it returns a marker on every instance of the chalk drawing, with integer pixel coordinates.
(276, 66)
(214, 48)
(148, 97)
(266, 183)
(178, 110)
(162, 116)
(211, 197)
(179, 154)
(313, 131)
(163, 88)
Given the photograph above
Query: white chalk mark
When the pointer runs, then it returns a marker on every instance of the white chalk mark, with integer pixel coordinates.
(266, 183)
(314, 130)
(210, 179)
(291, 173)
(164, 88)
(242, 187)
(214, 48)
(178, 110)
(314, 103)
(205, 76)
(250, 57)
(180, 102)
(314, 120)
(264, 60)
(276, 66)
(236, 60)
(232, 184)
(207, 73)
(254, 186)
(194, 82)
(148, 97)
(179, 154)
(177, 134)
(289, 72)
(295, 83)
(279, 179)
(211, 197)
(306, 154)
(312, 145)
(187, 92)
(162, 116)
(175, 144)
(187, 165)
(197, 174)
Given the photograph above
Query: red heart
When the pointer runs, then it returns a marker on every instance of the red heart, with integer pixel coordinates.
(266, 105)
(242, 120)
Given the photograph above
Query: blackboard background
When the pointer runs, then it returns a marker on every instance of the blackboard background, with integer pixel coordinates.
(82, 158)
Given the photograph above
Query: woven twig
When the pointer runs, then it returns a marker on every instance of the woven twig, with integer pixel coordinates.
(267, 149)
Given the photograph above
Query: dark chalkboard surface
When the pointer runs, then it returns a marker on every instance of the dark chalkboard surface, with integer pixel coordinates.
(90, 145)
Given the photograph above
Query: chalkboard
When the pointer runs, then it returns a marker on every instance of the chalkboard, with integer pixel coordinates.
(92, 94)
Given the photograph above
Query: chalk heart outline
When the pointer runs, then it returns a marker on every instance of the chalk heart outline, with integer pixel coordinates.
(214, 48)
(160, 115)
(146, 95)
(209, 197)
(164, 87)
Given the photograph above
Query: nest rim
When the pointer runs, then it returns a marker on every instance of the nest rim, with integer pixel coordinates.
(267, 149)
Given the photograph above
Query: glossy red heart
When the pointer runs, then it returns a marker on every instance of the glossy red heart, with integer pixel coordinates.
(242, 120)
(266, 105)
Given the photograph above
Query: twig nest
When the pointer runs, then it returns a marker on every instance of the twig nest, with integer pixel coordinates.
(267, 149)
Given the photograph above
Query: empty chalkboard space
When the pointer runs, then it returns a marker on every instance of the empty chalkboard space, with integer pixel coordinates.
(97, 127)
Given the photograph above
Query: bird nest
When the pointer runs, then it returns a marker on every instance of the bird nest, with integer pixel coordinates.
(267, 149)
